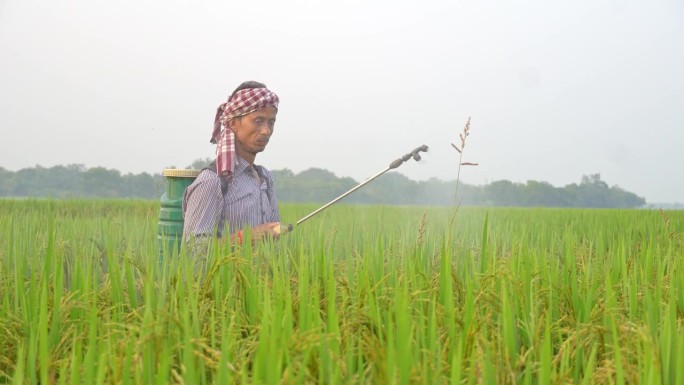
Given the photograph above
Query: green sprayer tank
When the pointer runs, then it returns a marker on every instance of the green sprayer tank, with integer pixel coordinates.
(170, 227)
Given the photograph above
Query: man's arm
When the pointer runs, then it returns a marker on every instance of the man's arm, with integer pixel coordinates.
(202, 206)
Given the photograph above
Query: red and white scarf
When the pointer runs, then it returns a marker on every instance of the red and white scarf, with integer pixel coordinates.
(242, 103)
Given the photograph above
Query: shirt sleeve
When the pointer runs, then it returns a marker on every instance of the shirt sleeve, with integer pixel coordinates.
(202, 206)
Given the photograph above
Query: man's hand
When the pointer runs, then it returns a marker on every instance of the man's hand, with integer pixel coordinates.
(267, 230)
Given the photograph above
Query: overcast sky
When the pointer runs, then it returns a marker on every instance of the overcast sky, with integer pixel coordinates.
(555, 89)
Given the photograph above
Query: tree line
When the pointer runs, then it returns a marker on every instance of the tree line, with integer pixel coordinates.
(320, 186)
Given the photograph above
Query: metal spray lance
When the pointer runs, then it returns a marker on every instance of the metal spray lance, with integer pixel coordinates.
(415, 154)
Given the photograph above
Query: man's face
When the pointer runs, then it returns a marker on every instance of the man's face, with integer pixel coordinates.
(252, 131)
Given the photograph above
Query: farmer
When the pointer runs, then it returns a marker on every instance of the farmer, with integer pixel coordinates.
(233, 195)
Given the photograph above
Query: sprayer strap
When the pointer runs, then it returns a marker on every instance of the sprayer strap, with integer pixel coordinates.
(224, 183)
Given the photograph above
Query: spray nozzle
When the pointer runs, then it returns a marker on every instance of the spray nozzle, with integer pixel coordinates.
(415, 154)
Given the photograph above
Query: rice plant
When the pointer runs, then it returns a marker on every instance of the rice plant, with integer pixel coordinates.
(361, 294)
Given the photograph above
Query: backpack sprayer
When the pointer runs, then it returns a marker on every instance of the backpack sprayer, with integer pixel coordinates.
(415, 154)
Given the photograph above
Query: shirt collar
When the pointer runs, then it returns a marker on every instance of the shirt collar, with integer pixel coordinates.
(242, 165)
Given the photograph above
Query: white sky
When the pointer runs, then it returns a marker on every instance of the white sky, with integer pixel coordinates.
(556, 89)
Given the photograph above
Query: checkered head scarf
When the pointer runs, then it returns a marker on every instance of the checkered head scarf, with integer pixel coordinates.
(243, 102)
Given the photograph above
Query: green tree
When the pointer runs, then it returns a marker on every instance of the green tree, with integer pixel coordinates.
(6, 182)
(503, 193)
(100, 182)
(541, 194)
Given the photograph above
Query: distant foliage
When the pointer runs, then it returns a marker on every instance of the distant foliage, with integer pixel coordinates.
(320, 186)
(317, 186)
(75, 181)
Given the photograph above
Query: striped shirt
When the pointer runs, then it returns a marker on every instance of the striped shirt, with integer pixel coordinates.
(249, 201)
